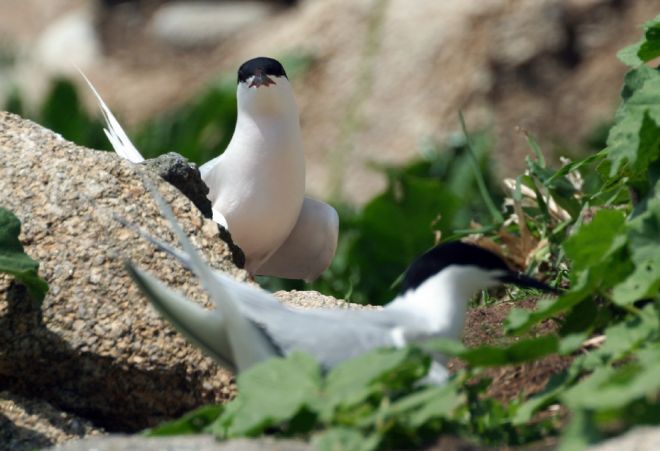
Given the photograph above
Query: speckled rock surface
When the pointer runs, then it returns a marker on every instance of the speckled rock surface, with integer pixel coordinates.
(96, 348)
(96, 357)
(189, 443)
(29, 424)
(638, 439)
(314, 299)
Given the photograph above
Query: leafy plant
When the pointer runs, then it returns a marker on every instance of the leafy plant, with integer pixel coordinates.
(366, 402)
(599, 238)
(14, 261)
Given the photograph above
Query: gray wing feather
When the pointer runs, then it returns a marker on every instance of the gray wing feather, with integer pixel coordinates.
(330, 335)
(203, 328)
(248, 344)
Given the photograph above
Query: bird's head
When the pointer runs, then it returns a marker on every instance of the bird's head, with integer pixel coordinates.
(463, 269)
(264, 89)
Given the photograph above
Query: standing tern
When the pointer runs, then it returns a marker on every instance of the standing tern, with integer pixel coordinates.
(249, 325)
(257, 186)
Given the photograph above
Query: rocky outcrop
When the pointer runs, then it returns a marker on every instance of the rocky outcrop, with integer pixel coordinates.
(95, 349)
(27, 424)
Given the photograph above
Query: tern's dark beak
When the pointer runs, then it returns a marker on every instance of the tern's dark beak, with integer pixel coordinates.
(527, 282)
(261, 79)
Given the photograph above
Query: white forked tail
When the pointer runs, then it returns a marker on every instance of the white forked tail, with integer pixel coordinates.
(116, 135)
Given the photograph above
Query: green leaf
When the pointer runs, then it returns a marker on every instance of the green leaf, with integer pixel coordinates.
(596, 241)
(643, 283)
(191, 423)
(485, 356)
(624, 337)
(572, 342)
(646, 49)
(351, 382)
(14, 261)
(634, 140)
(611, 388)
(630, 55)
(580, 432)
(644, 239)
(269, 394)
(430, 403)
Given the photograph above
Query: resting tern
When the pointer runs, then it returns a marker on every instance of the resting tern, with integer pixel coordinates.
(257, 186)
(248, 325)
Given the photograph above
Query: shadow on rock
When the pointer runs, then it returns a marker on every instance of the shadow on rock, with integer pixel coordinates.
(37, 363)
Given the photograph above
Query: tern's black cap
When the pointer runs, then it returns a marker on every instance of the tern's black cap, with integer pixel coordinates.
(448, 254)
(464, 254)
(260, 66)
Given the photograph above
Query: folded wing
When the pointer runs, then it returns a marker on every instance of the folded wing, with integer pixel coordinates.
(310, 247)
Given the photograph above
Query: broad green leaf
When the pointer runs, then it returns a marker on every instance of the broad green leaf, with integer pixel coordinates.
(191, 423)
(14, 261)
(623, 337)
(579, 433)
(579, 321)
(430, 403)
(634, 140)
(646, 49)
(594, 242)
(351, 382)
(340, 439)
(644, 239)
(643, 283)
(572, 342)
(269, 394)
(521, 351)
(611, 388)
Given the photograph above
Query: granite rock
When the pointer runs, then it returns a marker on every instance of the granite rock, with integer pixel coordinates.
(638, 439)
(95, 357)
(96, 348)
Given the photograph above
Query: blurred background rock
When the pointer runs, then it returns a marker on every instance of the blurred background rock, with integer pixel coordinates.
(381, 79)
(379, 83)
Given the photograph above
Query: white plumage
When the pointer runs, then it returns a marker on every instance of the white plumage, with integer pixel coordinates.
(257, 186)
